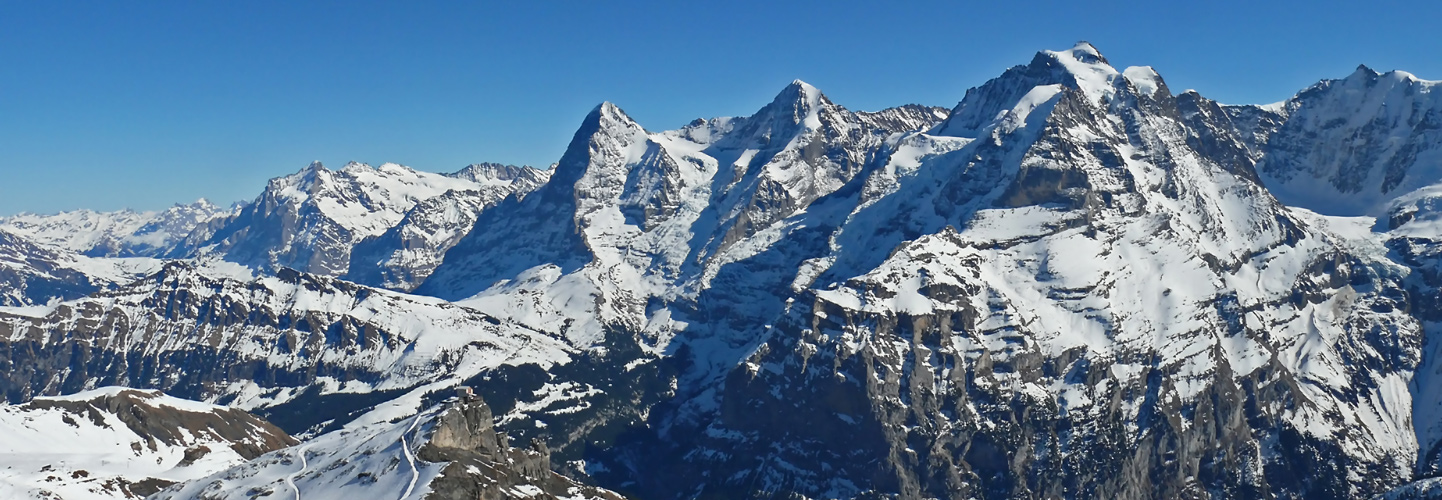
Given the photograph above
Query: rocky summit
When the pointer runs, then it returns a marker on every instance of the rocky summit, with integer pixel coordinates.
(1074, 283)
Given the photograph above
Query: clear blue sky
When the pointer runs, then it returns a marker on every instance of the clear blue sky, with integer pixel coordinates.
(108, 105)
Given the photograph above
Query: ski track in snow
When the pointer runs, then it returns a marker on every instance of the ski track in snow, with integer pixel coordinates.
(410, 457)
(290, 480)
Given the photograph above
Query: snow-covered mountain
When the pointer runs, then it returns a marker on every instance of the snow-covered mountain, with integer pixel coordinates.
(311, 220)
(31, 274)
(403, 256)
(449, 451)
(651, 214)
(258, 344)
(65, 256)
(1073, 284)
(1075, 266)
(1349, 146)
(125, 233)
(116, 442)
(35, 274)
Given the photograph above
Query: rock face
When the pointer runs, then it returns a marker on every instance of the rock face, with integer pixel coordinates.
(1349, 146)
(631, 216)
(256, 343)
(482, 465)
(310, 221)
(1073, 284)
(31, 274)
(122, 443)
(1426, 489)
(403, 256)
(1075, 267)
(36, 274)
(447, 452)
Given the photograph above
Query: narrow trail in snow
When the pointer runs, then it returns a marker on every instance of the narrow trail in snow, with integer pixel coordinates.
(290, 480)
(406, 449)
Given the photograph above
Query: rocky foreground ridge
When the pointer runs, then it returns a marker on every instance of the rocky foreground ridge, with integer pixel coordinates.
(116, 442)
(450, 451)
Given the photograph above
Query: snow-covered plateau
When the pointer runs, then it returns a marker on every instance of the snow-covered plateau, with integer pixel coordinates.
(1072, 284)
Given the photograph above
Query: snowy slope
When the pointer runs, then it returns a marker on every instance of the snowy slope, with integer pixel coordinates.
(448, 451)
(1073, 238)
(1084, 256)
(403, 256)
(115, 442)
(630, 215)
(125, 233)
(36, 274)
(1348, 146)
(364, 461)
(311, 220)
(258, 343)
(1072, 284)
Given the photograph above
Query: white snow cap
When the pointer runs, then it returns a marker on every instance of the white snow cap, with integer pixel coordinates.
(798, 102)
(806, 89)
(1144, 79)
(1085, 52)
(608, 113)
(797, 94)
(1093, 74)
(1365, 73)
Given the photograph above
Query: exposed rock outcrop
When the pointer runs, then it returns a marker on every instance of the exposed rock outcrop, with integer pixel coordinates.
(450, 451)
(481, 464)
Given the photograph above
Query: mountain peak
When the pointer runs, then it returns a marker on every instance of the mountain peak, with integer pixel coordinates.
(797, 104)
(1082, 56)
(799, 93)
(1366, 75)
(607, 115)
(355, 166)
(1364, 72)
(488, 172)
(1145, 79)
(605, 124)
(1085, 52)
(803, 88)
(1088, 70)
(1082, 67)
(200, 204)
(1402, 75)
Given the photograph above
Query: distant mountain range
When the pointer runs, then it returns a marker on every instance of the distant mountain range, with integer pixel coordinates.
(1075, 283)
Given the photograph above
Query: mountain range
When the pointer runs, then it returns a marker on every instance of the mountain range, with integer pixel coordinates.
(1075, 283)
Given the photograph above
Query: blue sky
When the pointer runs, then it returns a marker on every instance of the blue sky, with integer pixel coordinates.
(143, 104)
